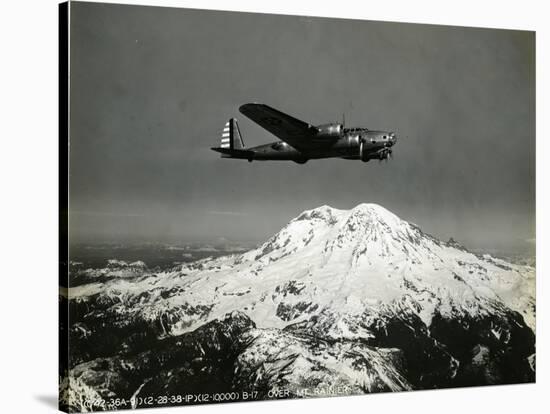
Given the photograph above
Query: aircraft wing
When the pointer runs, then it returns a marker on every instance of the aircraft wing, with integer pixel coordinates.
(294, 132)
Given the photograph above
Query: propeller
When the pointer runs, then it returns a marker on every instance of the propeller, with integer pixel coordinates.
(385, 154)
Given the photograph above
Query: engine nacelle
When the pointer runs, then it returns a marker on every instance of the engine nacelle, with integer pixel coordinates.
(330, 131)
(363, 154)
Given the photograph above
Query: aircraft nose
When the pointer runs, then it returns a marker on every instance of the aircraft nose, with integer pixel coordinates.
(393, 138)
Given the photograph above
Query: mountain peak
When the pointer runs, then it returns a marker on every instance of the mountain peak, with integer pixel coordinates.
(328, 261)
(376, 212)
(370, 207)
(324, 212)
(380, 296)
(370, 211)
(369, 218)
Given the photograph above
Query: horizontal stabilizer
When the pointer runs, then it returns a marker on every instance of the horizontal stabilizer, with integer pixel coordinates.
(234, 153)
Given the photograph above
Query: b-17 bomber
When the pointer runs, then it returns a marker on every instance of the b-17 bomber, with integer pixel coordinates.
(300, 141)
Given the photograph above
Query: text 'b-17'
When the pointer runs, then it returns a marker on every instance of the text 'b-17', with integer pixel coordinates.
(301, 141)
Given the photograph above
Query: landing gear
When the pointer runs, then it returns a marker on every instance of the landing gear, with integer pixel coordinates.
(301, 161)
(250, 160)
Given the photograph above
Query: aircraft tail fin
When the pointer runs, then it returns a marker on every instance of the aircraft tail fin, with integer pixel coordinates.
(231, 136)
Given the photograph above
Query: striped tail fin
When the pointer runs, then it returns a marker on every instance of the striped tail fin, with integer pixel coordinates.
(231, 136)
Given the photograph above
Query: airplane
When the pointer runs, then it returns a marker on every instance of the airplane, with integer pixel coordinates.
(300, 141)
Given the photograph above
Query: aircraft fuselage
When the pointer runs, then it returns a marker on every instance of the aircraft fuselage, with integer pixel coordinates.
(355, 144)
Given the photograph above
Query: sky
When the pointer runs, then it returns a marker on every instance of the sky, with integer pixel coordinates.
(151, 89)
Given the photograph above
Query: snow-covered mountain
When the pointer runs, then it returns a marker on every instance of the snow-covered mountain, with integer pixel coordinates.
(355, 298)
